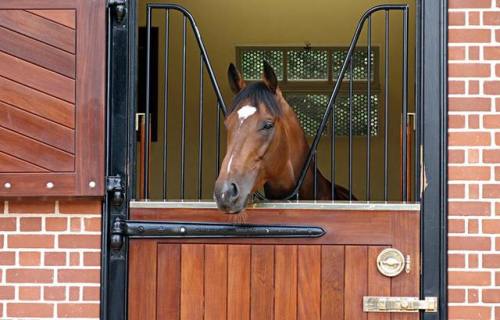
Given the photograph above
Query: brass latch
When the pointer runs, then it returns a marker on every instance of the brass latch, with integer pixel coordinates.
(399, 304)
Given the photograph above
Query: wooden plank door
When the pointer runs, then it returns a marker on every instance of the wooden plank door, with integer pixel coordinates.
(258, 279)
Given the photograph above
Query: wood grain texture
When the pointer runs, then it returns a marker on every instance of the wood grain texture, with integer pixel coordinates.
(262, 283)
(37, 77)
(332, 282)
(309, 283)
(356, 282)
(37, 128)
(65, 17)
(168, 292)
(215, 282)
(39, 28)
(142, 280)
(192, 281)
(37, 52)
(238, 286)
(285, 283)
(9, 163)
(378, 284)
(37, 102)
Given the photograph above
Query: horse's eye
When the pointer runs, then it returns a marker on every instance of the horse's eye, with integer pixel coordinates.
(268, 125)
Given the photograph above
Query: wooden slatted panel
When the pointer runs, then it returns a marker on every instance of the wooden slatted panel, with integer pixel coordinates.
(192, 281)
(332, 282)
(215, 282)
(238, 283)
(285, 283)
(64, 17)
(378, 284)
(168, 292)
(13, 164)
(355, 282)
(309, 282)
(262, 282)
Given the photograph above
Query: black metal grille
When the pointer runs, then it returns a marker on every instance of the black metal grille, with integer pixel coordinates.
(252, 63)
(307, 64)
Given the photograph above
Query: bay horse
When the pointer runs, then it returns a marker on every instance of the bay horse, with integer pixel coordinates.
(266, 147)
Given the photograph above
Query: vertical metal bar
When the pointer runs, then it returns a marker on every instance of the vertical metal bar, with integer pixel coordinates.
(405, 101)
(386, 104)
(183, 135)
(350, 123)
(217, 140)
(148, 130)
(332, 156)
(369, 119)
(315, 187)
(165, 107)
(200, 133)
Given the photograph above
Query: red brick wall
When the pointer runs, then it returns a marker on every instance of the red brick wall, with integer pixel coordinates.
(474, 159)
(49, 259)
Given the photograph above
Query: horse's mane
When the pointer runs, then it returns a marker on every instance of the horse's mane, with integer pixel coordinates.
(256, 94)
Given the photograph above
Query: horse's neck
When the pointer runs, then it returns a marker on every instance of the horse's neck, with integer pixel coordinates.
(296, 153)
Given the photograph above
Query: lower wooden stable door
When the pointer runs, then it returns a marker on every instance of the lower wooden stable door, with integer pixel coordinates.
(324, 277)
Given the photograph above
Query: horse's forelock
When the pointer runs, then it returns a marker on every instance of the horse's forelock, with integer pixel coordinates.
(257, 94)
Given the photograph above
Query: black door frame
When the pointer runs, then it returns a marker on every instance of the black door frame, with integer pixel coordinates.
(120, 149)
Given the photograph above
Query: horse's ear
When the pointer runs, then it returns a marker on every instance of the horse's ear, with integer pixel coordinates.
(235, 79)
(270, 77)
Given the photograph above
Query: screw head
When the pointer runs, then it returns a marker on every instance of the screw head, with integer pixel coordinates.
(92, 184)
(49, 185)
(7, 185)
(183, 230)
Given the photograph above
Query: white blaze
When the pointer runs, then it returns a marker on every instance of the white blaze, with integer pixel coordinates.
(245, 112)
(229, 164)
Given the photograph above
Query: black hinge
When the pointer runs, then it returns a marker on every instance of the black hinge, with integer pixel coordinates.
(120, 9)
(114, 185)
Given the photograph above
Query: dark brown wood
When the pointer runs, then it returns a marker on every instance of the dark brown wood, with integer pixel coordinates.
(51, 66)
(215, 282)
(309, 283)
(262, 282)
(332, 282)
(285, 283)
(168, 291)
(192, 281)
(238, 283)
(142, 283)
(13, 164)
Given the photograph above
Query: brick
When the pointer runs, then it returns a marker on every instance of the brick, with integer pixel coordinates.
(78, 275)
(456, 226)
(7, 258)
(469, 104)
(92, 224)
(75, 224)
(497, 35)
(497, 173)
(31, 206)
(92, 258)
(491, 226)
(54, 293)
(30, 241)
(29, 276)
(469, 36)
(491, 191)
(497, 73)
(491, 53)
(56, 224)
(473, 87)
(491, 18)
(456, 87)
(469, 173)
(474, 191)
(473, 156)
(491, 156)
(491, 261)
(456, 156)
(472, 208)
(491, 87)
(497, 138)
(29, 258)
(473, 226)
(31, 224)
(55, 259)
(456, 191)
(7, 292)
(469, 278)
(456, 260)
(469, 313)
(473, 53)
(456, 18)
(81, 206)
(473, 261)
(74, 258)
(469, 243)
(74, 293)
(472, 296)
(7, 224)
(30, 310)
(91, 293)
(464, 4)
(80, 241)
(456, 121)
(491, 121)
(469, 139)
(456, 53)
(491, 295)
(78, 310)
(29, 293)
(456, 295)
(474, 18)
(466, 70)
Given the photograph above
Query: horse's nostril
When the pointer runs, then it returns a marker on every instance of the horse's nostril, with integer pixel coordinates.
(234, 190)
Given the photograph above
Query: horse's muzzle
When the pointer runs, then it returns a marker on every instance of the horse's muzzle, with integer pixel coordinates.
(227, 195)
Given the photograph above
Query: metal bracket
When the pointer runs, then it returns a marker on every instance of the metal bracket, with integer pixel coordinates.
(120, 9)
(114, 184)
(399, 304)
(117, 234)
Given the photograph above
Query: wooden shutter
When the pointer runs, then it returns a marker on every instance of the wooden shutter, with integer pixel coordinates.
(52, 76)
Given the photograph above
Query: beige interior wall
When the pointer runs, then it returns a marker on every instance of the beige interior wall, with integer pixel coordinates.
(227, 24)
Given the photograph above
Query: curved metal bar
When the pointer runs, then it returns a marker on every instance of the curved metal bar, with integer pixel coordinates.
(336, 88)
(203, 50)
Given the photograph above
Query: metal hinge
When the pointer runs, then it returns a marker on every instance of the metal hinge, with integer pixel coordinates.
(120, 8)
(399, 304)
(114, 185)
